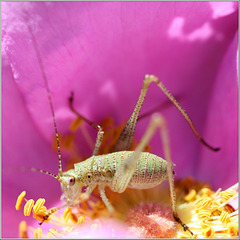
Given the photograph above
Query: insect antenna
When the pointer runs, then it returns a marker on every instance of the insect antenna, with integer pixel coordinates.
(39, 170)
(60, 172)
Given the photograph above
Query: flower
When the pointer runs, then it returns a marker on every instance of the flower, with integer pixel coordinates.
(102, 51)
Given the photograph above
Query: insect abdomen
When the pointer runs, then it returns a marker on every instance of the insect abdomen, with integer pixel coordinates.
(151, 170)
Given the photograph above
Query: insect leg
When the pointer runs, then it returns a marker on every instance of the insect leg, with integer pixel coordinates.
(153, 78)
(88, 192)
(53, 210)
(125, 139)
(125, 171)
(92, 124)
(105, 199)
(159, 121)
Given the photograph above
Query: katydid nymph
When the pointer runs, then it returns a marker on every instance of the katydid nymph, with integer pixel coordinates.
(121, 168)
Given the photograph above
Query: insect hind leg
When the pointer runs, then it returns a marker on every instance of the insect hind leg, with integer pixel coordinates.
(125, 139)
(92, 124)
(125, 171)
(158, 121)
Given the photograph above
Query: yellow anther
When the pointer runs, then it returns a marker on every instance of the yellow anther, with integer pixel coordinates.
(204, 213)
(227, 194)
(191, 196)
(41, 210)
(224, 217)
(38, 205)
(216, 213)
(37, 233)
(232, 228)
(203, 224)
(23, 230)
(74, 218)
(67, 213)
(203, 203)
(53, 233)
(81, 220)
(206, 192)
(208, 232)
(77, 122)
(28, 207)
(215, 204)
(20, 200)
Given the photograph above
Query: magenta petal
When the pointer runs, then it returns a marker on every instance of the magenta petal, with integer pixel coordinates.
(223, 123)
(21, 144)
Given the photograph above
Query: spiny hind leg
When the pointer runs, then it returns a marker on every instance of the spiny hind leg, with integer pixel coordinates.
(124, 173)
(92, 124)
(125, 139)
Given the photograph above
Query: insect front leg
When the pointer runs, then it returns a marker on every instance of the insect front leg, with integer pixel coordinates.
(104, 198)
(92, 124)
(88, 192)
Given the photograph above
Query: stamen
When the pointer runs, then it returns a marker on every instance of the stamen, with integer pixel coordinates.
(28, 207)
(77, 122)
(67, 213)
(20, 200)
(191, 196)
(39, 205)
(81, 220)
(204, 213)
(232, 228)
(68, 141)
(215, 204)
(23, 230)
(224, 217)
(41, 210)
(203, 203)
(206, 192)
(227, 194)
(208, 232)
(74, 218)
(53, 233)
(37, 233)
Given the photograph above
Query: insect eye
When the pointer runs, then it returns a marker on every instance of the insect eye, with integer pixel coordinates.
(71, 181)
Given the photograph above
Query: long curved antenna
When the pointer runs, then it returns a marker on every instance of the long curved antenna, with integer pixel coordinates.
(60, 172)
(41, 171)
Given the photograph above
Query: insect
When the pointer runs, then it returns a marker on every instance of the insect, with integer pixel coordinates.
(121, 168)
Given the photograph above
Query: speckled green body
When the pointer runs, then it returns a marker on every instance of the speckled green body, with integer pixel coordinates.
(151, 170)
